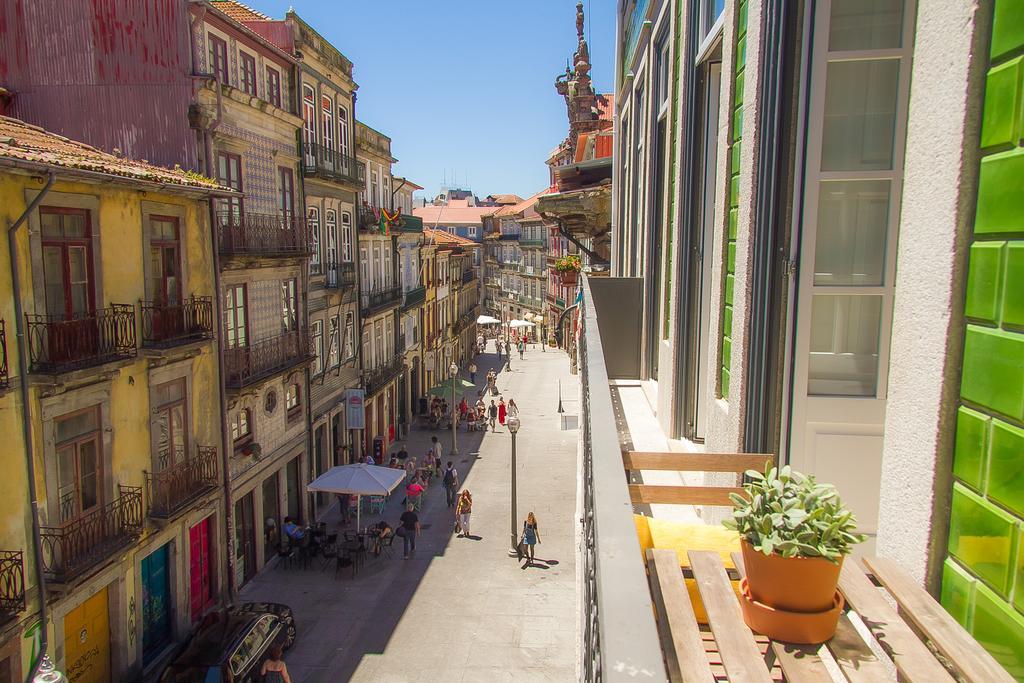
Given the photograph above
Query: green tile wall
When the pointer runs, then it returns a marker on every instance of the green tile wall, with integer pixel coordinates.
(983, 575)
(735, 135)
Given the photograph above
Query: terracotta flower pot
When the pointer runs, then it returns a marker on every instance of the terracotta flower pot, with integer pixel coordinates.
(790, 627)
(794, 584)
(568, 276)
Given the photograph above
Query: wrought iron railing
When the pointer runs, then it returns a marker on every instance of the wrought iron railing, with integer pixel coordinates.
(415, 296)
(60, 344)
(84, 541)
(247, 364)
(620, 637)
(508, 237)
(12, 583)
(4, 376)
(468, 276)
(165, 325)
(410, 224)
(262, 234)
(340, 275)
(378, 299)
(376, 379)
(180, 480)
(463, 321)
(526, 244)
(330, 164)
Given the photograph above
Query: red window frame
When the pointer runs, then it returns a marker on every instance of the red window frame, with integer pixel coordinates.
(229, 174)
(274, 86)
(218, 58)
(64, 244)
(162, 295)
(247, 73)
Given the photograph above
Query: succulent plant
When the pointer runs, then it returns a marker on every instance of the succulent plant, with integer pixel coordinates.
(789, 513)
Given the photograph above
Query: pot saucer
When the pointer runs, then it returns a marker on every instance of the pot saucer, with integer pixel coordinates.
(790, 627)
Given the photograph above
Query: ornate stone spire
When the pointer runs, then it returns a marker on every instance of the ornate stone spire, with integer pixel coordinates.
(575, 85)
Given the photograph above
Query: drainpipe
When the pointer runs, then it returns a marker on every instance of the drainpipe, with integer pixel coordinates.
(26, 418)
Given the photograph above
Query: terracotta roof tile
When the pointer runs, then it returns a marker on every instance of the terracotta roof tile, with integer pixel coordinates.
(445, 238)
(20, 141)
(238, 11)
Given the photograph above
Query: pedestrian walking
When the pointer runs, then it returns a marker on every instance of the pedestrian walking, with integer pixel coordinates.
(497, 347)
(492, 415)
(513, 409)
(274, 669)
(522, 348)
(531, 536)
(502, 411)
(463, 510)
(472, 372)
(435, 448)
(451, 483)
(410, 530)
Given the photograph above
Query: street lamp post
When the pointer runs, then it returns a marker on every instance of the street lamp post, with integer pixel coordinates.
(512, 422)
(453, 371)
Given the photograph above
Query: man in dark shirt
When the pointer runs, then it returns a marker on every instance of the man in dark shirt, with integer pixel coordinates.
(403, 454)
(411, 526)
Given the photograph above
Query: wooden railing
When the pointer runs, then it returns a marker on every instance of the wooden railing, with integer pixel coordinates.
(174, 486)
(58, 344)
(256, 234)
(247, 364)
(83, 542)
(165, 325)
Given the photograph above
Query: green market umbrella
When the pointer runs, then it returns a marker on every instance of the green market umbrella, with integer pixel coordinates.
(444, 389)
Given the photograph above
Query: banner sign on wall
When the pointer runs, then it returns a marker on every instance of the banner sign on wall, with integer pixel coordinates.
(355, 416)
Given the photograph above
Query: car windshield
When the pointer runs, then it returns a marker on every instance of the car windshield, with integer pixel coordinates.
(192, 674)
(255, 642)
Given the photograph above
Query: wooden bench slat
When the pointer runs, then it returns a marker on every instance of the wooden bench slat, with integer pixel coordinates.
(798, 662)
(696, 462)
(680, 636)
(740, 654)
(945, 633)
(912, 658)
(682, 495)
(855, 658)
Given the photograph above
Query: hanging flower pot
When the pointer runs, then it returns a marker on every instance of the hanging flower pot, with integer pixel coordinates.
(568, 277)
(568, 268)
(794, 535)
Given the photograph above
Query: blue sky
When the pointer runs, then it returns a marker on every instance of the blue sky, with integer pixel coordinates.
(463, 87)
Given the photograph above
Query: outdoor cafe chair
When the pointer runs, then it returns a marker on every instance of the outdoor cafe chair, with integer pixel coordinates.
(376, 504)
(386, 545)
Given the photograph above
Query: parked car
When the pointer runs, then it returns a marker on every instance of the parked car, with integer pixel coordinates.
(231, 645)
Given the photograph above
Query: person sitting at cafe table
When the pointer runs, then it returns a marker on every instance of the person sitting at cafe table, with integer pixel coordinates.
(383, 530)
(293, 530)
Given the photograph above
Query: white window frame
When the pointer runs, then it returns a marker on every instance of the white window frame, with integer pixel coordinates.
(331, 228)
(316, 333)
(313, 218)
(346, 236)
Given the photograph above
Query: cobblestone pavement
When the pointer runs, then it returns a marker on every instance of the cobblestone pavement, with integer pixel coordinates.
(460, 609)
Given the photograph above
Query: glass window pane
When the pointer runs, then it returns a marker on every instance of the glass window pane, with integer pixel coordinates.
(844, 345)
(88, 464)
(79, 424)
(851, 236)
(50, 224)
(53, 275)
(865, 24)
(860, 115)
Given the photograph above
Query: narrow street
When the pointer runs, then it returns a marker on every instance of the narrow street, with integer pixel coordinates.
(460, 609)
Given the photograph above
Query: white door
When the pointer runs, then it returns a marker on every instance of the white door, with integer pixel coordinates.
(860, 75)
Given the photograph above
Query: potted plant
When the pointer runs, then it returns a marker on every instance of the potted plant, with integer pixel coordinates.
(794, 534)
(568, 268)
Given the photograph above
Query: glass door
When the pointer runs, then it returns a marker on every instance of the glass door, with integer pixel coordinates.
(245, 540)
(271, 517)
(79, 464)
(860, 74)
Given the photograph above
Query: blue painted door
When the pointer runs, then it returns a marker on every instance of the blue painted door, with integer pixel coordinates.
(156, 603)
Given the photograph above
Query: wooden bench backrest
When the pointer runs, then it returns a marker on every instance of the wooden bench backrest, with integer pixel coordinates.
(734, 463)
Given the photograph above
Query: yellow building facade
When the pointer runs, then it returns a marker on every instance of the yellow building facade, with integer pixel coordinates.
(115, 278)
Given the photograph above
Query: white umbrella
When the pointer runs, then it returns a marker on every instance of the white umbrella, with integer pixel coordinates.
(358, 479)
(486, 320)
(520, 323)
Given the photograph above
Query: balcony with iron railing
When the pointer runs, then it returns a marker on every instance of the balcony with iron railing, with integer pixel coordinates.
(329, 164)
(12, 584)
(376, 379)
(245, 365)
(414, 296)
(462, 322)
(468, 276)
(4, 372)
(258, 234)
(180, 480)
(59, 344)
(409, 224)
(340, 275)
(508, 237)
(165, 325)
(382, 298)
(531, 243)
(85, 541)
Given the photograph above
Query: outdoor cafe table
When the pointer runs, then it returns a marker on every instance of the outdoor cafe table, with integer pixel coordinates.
(917, 638)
